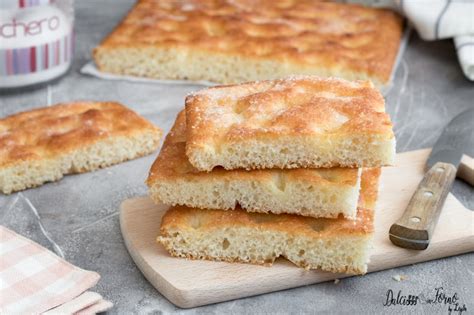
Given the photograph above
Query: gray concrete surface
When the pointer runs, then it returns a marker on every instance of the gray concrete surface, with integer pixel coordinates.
(81, 212)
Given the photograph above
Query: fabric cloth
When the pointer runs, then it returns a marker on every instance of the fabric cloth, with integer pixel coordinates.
(465, 49)
(34, 280)
(438, 19)
(85, 304)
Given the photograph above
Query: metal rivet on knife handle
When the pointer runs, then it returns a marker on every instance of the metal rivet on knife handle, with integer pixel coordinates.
(415, 228)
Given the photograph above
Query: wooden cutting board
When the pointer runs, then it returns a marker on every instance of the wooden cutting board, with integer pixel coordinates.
(189, 283)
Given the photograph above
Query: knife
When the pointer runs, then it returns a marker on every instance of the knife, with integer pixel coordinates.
(452, 154)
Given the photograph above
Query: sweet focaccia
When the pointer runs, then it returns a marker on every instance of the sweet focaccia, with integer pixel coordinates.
(336, 245)
(237, 41)
(309, 192)
(42, 145)
(289, 123)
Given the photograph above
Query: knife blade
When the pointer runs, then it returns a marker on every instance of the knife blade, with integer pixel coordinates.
(415, 228)
(457, 139)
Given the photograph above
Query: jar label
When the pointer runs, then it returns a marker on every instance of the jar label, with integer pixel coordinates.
(36, 58)
(8, 4)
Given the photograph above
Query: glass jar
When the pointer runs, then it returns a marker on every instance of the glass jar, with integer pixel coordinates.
(36, 41)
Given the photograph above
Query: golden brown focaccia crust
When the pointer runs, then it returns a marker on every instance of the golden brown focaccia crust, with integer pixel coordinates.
(237, 41)
(44, 144)
(302, 121)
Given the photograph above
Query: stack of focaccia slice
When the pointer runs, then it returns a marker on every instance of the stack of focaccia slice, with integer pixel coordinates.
(275, 168)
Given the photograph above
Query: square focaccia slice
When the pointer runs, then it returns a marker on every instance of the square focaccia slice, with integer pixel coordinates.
(45, 144)
(296, 122)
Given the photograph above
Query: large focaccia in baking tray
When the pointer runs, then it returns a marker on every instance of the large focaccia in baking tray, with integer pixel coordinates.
(236, 41)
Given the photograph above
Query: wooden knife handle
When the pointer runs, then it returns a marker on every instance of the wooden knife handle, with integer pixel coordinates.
(415, 228)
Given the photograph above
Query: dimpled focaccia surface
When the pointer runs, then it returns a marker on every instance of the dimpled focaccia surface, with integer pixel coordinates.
(336, 245)
(237, 41)
(310, 192)
(44, 144)
(302, 121)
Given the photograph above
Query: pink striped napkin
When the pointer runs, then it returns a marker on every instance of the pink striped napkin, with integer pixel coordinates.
(33, 279)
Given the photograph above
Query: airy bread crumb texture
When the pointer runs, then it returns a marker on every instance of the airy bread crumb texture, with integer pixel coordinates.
(29, 174)
(44, 144)
(298, 152)
(346, 254)
(261, 238)
(179, 64)
(259, 196)
(309, 192)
